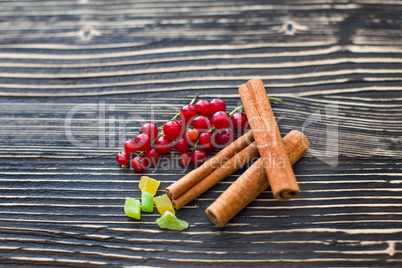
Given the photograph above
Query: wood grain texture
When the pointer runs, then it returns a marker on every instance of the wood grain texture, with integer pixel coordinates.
(337, 65)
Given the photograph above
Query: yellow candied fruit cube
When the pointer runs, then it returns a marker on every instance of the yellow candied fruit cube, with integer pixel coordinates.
(149, 185)
(163, 204)
(142, 181)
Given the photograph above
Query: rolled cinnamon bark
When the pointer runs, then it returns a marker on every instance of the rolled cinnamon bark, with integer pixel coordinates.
(252, 182)
(268, 139)
(233, 164)
(180, 186)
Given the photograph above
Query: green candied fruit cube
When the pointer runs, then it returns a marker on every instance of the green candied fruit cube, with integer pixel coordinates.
(147, 202)
(171, 222)
(132, 208)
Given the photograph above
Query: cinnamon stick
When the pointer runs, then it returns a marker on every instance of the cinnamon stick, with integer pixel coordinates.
(268, 138)
(180, 186)
(233, 164)
(228, 168)
(252, 182)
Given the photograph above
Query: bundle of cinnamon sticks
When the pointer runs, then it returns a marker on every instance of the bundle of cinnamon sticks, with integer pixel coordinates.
(274, 168)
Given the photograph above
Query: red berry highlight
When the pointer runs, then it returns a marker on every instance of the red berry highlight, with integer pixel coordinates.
(239, 121)
(172, 129)
(182, 127)
(129, 147)
(187, 112)
(163, 144)
(220, 120)
(152, 156)
(181, 145)
(206, 139)
(192, 134)
(217, 105)
(224, 136)
(123, 158)
(201, 123)
(142, 142)
(184, 158)
(198, 156)
(139, 163)
(202, 107)
(150, 129)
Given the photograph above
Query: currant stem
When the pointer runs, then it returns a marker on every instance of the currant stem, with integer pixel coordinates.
(160, 135)
(195, 145)
(235, 110)
(174, 118)
(194, 99)
(275, 99)
(127, 165)
(178, 114)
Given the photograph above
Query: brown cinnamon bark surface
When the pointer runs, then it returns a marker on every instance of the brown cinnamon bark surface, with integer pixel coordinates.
(252, 182)
(268, 139)
(234, 163)
(179, 187)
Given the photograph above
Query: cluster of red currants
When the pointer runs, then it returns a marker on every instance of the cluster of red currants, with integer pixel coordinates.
(202, 127)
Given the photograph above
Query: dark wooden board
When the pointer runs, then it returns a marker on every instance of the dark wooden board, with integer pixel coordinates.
(116, 61)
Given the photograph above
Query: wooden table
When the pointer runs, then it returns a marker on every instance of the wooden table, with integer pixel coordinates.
(77, 78)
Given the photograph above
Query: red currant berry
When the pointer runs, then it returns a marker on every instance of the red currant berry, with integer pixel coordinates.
(172, 129)
(239, 121)
(187, 112)
(224, 136)
(182, 127)
(181, 145)
(123, 158)
(139, 163)
(198, 156)
(202, 107)
(163, 144)
(142, 142)
(150, 129)
(192, 134)
(201, 123)
(184, 158)
(217, 105)
(129, 147)
(206, 139)
(152, 156)
(209, 148)
(220, 120)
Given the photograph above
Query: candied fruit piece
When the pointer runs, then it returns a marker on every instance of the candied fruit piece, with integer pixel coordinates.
(149, 185)
(163, 204)
(147, 202)
(171, 222)
(142, 182)
(132, 208)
